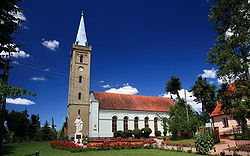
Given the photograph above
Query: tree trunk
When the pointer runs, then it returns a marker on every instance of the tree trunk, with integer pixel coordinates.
(4, 80)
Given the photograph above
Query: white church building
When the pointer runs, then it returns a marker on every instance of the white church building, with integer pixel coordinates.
(110, 112)
(102, 113)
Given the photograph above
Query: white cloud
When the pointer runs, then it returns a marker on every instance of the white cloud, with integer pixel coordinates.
(229, 33)
(106, 86)
(18, 54)
(101, 81)
(51, 44)
(126, 89)
(190, 99)
(19, 101)
(209, 73)
(21, 54)
(38, 78)
(19, 15)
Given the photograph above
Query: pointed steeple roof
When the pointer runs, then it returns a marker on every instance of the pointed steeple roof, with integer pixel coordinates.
(81, 38)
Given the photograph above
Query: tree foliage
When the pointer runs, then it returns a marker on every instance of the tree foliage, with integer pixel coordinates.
(9, 24)
(34, 126)
(63, 131)
(46, 131)
(205, 94)
(180, 121)
(231, 54)
(173, 86)
(204, 141)
(18, 123)
(231, 51)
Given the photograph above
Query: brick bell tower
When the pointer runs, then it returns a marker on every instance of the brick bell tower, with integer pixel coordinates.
(79, 80)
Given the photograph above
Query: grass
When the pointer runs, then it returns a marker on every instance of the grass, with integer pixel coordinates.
(28, 148)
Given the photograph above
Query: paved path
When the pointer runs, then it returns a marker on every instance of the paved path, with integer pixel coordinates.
(218, 147)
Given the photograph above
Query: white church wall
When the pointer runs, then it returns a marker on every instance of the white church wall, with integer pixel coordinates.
(93, 117)
(105, 120)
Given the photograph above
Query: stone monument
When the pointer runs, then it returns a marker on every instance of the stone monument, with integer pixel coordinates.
(78, 134)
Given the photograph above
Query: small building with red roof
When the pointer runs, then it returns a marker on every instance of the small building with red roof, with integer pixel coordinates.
(110, 112)
(224, 122)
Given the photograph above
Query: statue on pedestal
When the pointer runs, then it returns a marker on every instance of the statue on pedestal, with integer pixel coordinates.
(78, 134)
(78, 123)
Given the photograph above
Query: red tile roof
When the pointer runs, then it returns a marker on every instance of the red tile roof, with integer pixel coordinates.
(217, 111)
(133, 102)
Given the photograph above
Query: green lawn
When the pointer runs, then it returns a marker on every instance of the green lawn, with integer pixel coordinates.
(44, 148)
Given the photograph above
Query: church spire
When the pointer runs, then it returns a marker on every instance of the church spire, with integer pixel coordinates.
(81, 38)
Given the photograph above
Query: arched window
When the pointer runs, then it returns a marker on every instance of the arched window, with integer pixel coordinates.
(80, 79)
(155, 124)
(81, 59)
(136, 119)
(146, 122)
(125, 123)
(79, 111)
(79, 96)
(114, 123)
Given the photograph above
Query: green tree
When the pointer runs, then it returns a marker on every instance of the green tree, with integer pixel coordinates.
(46, 131)
(62, 135)
(173, 86)
(9, 25)
(178, 120)
(34, 126)
(204, 94)
(18, 123)
(231, 54)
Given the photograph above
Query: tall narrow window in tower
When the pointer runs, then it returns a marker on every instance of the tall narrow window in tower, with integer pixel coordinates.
(155, 124)
(146, 121)
(86, 59)
(136, 119)
(125, 123)
(79, 96)
(80, 79)
(114, 123)
(81, 59)
(79, 112)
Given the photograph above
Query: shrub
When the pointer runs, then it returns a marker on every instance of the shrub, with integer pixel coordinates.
(157, 133)
(165, 133)
(130, 133)
(204, 141)
(137, 133)
(118, 133)
(127, 133)
(146, 132)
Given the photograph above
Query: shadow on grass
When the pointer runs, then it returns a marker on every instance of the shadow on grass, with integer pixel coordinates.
(8, 149)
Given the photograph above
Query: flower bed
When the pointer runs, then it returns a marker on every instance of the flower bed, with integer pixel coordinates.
(118, 143)
(169, 143)
(65, 145)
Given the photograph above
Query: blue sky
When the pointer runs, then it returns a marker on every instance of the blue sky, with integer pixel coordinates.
(137, 46)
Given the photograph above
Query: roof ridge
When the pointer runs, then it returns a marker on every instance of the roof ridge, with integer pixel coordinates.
(133, 95)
